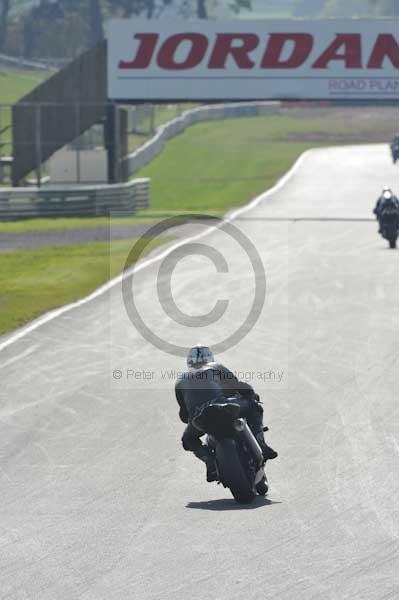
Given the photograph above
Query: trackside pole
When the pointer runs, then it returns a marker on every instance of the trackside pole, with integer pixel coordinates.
(38, 145)
(110, 140)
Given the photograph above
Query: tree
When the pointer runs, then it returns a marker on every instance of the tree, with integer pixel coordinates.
(65, 28)
(52, 29)
(346, 8)
(237, 5)
(308, 8)
(202, 13)
(61, 28)
(129, 8)
(205, 9)
(4, 10)
(95, 23)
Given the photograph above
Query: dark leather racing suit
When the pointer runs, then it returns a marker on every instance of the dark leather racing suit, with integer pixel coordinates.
(387, 211)
(211, 382)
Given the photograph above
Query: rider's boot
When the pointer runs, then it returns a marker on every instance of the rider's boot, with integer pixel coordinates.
(207, 457)
(211, 473)
(267, 451)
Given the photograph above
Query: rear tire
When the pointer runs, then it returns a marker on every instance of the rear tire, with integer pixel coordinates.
(390, 233)
(262, 487)
(232, 472)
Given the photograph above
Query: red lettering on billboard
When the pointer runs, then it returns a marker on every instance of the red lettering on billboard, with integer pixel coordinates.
(385, 47)
(224, 47)
(143, 57)
(185, 51)
(346, 47)
(167, 54)
(303, 44)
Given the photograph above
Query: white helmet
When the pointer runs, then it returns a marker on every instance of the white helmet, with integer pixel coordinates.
(199, 356)
(387, 192)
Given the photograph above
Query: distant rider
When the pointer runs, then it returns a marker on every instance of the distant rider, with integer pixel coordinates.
(206, 381)
(395, 148)
(387, 208)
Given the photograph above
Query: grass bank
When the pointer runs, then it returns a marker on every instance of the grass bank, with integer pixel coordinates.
(15, 83)
(29, 225)
(33, 282)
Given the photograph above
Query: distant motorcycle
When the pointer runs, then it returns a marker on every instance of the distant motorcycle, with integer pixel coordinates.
(387, 212)
(389, 227)
(238, 456)
(395, 149)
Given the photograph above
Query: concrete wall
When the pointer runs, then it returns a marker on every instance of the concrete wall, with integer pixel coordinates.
(146, 153)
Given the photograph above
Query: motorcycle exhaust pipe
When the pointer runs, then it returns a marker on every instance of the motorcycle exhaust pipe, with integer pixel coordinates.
(241, 426)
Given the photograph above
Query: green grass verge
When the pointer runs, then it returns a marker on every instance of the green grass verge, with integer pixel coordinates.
(13, 85)
(35, 281)
(29, 225)
(218, 190)
(16, 83)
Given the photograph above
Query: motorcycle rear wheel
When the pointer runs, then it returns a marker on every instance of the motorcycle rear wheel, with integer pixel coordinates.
(232, 472)
(262, 487)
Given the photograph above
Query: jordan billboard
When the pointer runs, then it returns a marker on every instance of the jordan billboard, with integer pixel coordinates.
(245, 60)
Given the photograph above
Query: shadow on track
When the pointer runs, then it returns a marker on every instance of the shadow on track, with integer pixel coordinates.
(227, 504)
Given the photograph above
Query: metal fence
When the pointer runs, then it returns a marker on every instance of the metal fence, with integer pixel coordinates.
(144, 119)
(5, 130)
(5, 143)
(78, 201)
(40, 130)
(19, 62)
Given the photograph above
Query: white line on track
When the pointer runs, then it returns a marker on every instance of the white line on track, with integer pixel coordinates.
(14, 359)
(54, 314)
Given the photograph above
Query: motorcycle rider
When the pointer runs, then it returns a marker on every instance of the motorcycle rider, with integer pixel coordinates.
(387, 207)
(395, 148)
(206, 381)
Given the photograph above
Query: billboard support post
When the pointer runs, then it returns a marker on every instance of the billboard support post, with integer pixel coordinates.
(110, 140)
(78, 142)
(38, 145)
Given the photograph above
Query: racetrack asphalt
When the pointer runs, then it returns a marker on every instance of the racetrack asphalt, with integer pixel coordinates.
(99, 501)
(10, 242)
(28, 240)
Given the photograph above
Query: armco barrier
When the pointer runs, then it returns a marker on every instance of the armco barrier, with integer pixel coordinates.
(75, 201)
(155, 145)
(25, 63)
